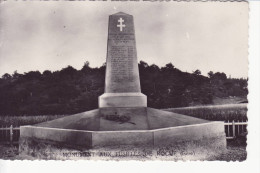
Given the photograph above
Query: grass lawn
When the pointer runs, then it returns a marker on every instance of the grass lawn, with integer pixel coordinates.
(215, 112)
(17, 121)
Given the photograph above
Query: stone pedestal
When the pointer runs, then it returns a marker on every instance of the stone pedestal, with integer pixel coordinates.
(122, 100)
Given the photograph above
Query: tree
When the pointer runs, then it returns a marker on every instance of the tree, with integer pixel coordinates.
(210, 74)
(86, 68)
(197, 72)
(169, 66)
(154, 68)
(102, 69)
(86, 64)
(32, 75)
(16, 75)
(69, 91)
(143, 65)
(68, 71)
(6, 76)
(47, 73)
(220, 76)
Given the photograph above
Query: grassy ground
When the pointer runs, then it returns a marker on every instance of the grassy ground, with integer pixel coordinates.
(215, 112)
(8, 152)
(26, 120)
(229, 100)
(236, 151)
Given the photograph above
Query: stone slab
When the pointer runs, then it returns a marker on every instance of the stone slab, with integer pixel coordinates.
(117, 138)
(122, 100)
(117, 119)
(162, 119)
(55, 135)
(178, 134)
(120, 118)
(89, 120)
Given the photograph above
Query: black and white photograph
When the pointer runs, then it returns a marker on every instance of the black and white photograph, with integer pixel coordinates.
(124, 81)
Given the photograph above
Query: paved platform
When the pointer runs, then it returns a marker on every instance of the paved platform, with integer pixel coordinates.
(117, 119)
(123, 126)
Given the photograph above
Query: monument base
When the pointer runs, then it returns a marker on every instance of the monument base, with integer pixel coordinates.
(122, 100)
(144, 127)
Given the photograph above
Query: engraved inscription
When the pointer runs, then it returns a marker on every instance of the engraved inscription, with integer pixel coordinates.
(122, 63)
(121, 53)
(122, 38)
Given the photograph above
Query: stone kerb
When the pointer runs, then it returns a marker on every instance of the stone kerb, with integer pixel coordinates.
(67, 136)
(193, 132)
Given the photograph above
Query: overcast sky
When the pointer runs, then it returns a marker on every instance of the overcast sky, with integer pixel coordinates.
(210, 36)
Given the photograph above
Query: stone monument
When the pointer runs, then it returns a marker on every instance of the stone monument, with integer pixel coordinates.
(123, 117)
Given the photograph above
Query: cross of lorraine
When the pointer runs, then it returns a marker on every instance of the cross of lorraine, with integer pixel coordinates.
(121, 25)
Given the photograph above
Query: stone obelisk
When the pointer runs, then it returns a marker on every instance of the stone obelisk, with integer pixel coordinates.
(122, 82)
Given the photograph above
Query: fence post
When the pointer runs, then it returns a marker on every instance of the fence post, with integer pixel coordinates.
(11, 134)
(242, 127)
(1, 134)
(233, 129)
(238, 129)
(6, 132)
(228, 129)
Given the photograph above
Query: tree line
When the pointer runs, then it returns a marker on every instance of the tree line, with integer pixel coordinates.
(70, 91)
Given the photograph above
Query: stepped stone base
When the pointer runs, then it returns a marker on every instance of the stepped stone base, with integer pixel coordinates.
(106, 127)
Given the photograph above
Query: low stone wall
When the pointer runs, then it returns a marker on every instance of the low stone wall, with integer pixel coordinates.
(204, 149)
(55, 135)
(191, 138)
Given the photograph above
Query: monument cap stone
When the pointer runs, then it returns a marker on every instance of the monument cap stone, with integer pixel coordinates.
(122, 82)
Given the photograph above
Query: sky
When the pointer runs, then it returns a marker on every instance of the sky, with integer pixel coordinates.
(209, 36)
